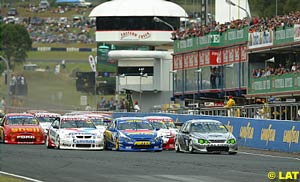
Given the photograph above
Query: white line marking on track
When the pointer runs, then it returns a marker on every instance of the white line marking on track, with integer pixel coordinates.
(18, 176)
(275, 156)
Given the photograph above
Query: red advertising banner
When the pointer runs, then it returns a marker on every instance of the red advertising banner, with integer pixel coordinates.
(195, 58)
(180, 63)
(177, 62)
(201, 58)
(215, 57)
(206, 58)
(231, 54)
(225, 55)
(186, 61)
(243, 53)
(191, 61)
(237, 54)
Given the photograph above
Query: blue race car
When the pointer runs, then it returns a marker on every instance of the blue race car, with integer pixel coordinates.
(132, 134)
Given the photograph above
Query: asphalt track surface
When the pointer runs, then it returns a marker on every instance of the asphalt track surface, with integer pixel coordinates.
(38, 162)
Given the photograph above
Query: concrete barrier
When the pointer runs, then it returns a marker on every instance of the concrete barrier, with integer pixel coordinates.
(276, 135)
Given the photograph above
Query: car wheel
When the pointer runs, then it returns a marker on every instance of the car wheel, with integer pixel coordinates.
(57, 145)
(232, 153)
(177, 147)
(117, 144)
(191, 149)
(105, 145)
(47, 143)
(3, 139)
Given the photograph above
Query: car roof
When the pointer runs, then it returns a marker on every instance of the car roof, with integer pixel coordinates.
(46, 114)
(19, 114)
(164, 118)
(204, 121)
(158, 117)
(130, 118)
(73, 117)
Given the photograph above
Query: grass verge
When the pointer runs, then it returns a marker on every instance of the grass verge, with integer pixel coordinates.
(10, 179)
(57, 55)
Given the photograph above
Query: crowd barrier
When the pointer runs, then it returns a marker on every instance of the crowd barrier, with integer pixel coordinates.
(275, 135)
(64, 49)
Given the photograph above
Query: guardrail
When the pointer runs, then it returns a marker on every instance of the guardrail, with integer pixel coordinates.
(64, 49)
(276, 135)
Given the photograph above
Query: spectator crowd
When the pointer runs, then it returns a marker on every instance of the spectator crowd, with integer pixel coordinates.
(254, 24)
(279, 70)
(75, 29)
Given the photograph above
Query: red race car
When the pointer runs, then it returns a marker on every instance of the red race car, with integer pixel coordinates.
(21, 128)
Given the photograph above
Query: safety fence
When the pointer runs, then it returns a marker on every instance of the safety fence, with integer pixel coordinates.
(275, 135)
(63, 49)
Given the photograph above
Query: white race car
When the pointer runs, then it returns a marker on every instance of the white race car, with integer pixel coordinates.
(74, 132)
(167, 134)
(45, 119)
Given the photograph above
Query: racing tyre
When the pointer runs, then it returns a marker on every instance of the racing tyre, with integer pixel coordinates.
(105, 145)
(177, 147)
(2, 139)
(57, 145)
(190, 147)
(47, 143)
(232, 153)
(117, 144)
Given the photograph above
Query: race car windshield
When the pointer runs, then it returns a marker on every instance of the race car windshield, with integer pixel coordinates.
(170, 124)
(22, 121)
(46, 119)
(77, 124)
(159, 125)
(135, 126)
(208, 128)
(98, 121)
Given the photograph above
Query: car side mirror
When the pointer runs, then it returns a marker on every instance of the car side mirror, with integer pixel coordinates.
(185, 132)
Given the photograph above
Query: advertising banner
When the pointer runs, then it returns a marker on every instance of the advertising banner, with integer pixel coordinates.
(260, 39)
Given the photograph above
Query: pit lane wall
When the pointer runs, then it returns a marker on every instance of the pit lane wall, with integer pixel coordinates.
(276, 135)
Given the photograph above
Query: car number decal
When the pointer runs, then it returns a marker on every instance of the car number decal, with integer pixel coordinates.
(142, 143)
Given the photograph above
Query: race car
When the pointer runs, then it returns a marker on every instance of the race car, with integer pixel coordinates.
(74, 132)
(132, 134)
(205, 136)
(45, 119)
(167, 135)
(20, 128)
(169, 122)
(98, 120)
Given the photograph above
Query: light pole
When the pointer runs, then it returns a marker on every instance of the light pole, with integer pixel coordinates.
(171, 94)
(141, 76)
(198, 71)
(7, 80)
(158, 20)
(233, 4)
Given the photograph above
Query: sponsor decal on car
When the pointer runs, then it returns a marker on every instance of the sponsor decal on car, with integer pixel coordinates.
(33, 130)
(25, 137)
(84, 141)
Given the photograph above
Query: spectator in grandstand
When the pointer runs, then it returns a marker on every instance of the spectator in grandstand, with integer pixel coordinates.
(294, 67)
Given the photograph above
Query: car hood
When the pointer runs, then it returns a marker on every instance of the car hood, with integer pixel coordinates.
(163, 132)
(45, 125)
(213, 136)
(136, 134)
(24, 128)
(80, 131)
(101, 128)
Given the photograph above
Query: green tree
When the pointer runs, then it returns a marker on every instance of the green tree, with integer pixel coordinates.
(15, 41)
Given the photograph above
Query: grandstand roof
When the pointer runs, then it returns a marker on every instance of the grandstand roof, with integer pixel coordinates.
(138, 8)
